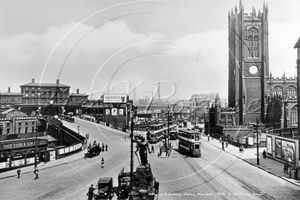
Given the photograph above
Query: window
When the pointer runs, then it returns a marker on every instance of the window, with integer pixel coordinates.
(32, 129)
(8, 131)
(20, 100)
(197, 146)
(294, 115)
(19, 130)
(26, 129)
(32, 123)
(26, 123)
(291, 91)
(277, 91)
(32, 94)
(26, 94)
(20, 123)
(253, 42)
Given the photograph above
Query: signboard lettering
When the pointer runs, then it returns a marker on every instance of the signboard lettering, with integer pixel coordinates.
(113, 98)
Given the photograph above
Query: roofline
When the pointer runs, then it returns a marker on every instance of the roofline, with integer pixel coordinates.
(297, 45)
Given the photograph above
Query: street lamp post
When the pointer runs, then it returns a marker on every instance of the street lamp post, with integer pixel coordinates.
(131, 152)
(168, 111)
(35, 150)
(257, 150)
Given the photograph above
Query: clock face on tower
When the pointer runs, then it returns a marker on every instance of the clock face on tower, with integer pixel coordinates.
(253, 69)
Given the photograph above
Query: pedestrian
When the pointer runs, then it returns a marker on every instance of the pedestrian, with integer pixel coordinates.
(285, 167)
(90, 192)
(18, 172)
(226, 142)
(156, 187)
(223, 146)
(220, 140)
(106, 147)
(36, 172)
(208, 137)
(152, 148)
(102, 162)
(103, 147)
(264, 153)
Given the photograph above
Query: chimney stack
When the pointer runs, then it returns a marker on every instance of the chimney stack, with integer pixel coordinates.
(8, 89)
(57, 81)
(32, 80)
(77, 91)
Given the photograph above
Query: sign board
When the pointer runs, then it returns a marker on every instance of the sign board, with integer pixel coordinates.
(114, 111)
(115, 98)
(21, 144)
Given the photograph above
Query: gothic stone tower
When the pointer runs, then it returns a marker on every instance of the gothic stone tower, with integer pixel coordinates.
(248, 63)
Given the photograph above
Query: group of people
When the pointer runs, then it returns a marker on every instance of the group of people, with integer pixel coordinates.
(223, 142)
(35, 171)
(103, 148)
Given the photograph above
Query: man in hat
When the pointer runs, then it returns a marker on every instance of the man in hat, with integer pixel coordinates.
(90, 192)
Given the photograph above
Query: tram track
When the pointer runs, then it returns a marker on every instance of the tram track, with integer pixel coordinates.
(247, 186)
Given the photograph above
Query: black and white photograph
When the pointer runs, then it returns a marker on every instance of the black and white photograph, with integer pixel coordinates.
(149, 99)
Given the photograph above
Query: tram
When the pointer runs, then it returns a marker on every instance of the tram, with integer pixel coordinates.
(67, 118)
(157, 135)
(189, 142)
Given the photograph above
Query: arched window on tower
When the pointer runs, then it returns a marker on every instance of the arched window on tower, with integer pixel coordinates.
(291, 92)
(253, 42)
(277, 91)
(294, 115)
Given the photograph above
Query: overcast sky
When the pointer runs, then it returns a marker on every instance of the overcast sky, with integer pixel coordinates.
(93, 45)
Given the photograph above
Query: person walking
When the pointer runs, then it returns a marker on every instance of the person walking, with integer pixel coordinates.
(226, 142)
(223, 146)
(208, 137)
(90, 192)
(264, 154)
(36, 172)
(152, 149)
(102, 162)
(18, 172)
(106, 146)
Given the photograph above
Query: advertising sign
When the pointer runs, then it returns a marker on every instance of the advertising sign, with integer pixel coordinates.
(21, 144)
(250, 140)
(278, 148)
(269, 145)
(115, 98)
(288, 151)
(107, 111)
(114, 111)
(121, 112)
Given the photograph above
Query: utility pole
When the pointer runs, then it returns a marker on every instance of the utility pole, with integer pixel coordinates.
(131, 152)
(257, 150)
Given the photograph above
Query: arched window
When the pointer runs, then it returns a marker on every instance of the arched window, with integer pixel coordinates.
(253, 42)
(277, 91)
(294, 115)
(291, 91)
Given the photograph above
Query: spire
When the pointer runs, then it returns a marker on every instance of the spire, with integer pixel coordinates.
(235, 10)
(271, 74)
(240, 5)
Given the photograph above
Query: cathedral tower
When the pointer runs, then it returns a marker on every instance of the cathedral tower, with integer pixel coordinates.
(248, 63)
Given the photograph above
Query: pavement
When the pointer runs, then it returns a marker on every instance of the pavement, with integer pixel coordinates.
(249, 155)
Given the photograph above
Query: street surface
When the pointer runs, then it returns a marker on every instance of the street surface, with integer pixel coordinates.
(216, 175)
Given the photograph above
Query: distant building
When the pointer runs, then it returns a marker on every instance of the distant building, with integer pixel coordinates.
(9, 99)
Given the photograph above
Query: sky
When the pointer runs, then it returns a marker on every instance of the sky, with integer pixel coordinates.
(117, 45)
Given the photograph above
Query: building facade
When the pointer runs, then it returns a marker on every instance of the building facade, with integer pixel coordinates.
(248, 63)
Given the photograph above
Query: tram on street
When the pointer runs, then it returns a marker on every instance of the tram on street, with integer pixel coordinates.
(158, 135)
(189, 142)
(67, 118)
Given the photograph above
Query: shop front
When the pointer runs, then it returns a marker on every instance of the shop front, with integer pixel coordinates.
(21, 152)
